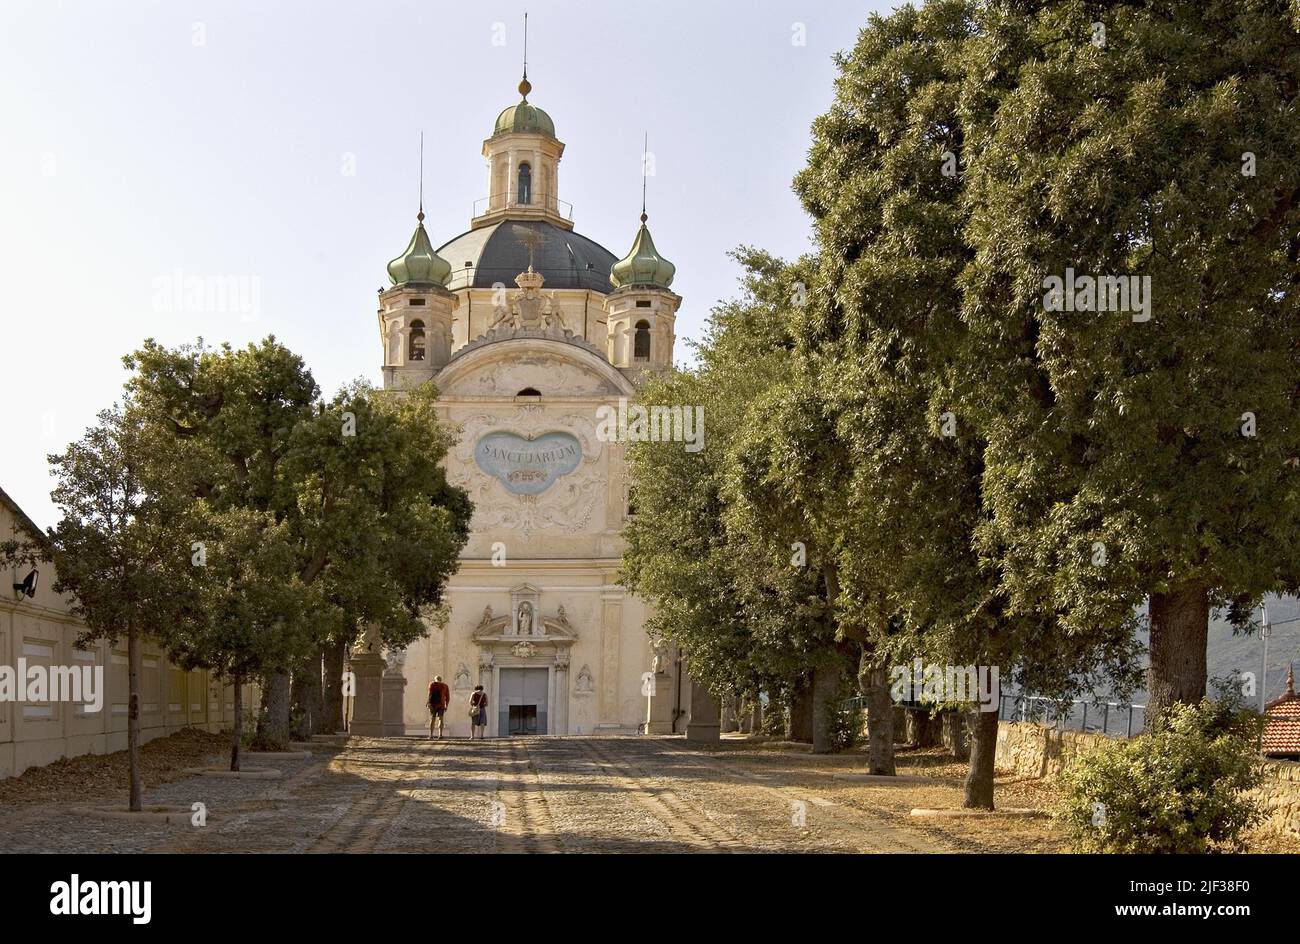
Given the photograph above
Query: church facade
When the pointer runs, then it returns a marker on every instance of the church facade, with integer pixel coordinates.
(528, 329)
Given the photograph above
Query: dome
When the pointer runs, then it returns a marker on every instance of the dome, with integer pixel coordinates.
(499, 252)
(419, 263)
(526, 118)
(642, 265)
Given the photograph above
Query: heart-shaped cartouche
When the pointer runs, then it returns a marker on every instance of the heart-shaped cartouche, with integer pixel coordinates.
(528, 466)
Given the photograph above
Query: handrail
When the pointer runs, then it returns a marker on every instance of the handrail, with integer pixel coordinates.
(490, 204)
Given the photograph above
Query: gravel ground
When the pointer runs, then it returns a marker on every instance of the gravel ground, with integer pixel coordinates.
(569, 794)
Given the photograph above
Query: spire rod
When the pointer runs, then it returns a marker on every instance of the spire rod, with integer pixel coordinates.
(420, 216)
(525, 86)
(645, 150)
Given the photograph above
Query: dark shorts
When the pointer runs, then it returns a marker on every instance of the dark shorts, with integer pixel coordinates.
(480, 718)
(438, 710)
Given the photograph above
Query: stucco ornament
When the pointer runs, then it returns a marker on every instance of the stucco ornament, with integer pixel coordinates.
(566, 506)
(461, 680)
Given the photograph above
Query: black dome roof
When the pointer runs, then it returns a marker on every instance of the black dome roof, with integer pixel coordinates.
(499, 252)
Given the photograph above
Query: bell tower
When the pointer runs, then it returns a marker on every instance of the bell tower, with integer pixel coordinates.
(642, 310)
(523, 158)
(415, 313)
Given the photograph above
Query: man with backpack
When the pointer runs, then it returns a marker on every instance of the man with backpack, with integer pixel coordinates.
(439, 698)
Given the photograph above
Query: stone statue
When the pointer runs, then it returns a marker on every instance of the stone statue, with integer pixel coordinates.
(369, 643)
(487, 616)
(559, 614)
(525, 619)
(584, 683)
(396, 659)
(552, 316)
(659, 664)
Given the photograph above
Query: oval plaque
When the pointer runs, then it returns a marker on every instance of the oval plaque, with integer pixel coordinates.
(528, 466)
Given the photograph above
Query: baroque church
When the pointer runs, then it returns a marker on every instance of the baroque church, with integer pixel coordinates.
(528, 329)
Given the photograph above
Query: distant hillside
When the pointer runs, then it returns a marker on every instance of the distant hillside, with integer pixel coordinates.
(1228, 654)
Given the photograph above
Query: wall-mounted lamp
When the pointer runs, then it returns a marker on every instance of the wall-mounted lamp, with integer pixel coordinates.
(28, 586)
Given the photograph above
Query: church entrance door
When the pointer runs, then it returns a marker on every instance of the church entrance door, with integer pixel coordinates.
(522, 701)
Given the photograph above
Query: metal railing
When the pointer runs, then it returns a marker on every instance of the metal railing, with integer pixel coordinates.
(509, 201)
(1114, 719)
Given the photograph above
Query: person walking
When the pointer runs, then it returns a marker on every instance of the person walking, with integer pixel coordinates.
(439, 698)
(478, 705)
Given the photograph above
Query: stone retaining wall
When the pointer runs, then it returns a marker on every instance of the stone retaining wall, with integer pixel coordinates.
(1033, 750)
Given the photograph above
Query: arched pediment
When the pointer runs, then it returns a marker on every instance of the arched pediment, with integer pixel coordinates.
(520, 359)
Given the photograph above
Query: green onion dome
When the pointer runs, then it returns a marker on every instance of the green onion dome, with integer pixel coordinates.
(419, 263)
(642, 265)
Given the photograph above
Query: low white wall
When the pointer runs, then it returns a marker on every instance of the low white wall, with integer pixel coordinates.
(37, 733)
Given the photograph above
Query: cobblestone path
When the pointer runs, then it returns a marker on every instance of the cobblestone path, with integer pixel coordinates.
(505, 795)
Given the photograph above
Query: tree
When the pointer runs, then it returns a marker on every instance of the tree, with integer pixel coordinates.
(118, 549)
(883, 355)
(227, 417)
(255, 613)
(746, 616)
(1142, 444)
(323, 516)
(373, 501)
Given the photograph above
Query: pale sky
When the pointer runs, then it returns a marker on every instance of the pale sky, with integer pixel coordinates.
(274, 147)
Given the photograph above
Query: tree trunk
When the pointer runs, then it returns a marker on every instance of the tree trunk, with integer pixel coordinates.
(135, 661)
(1179, 627)
(238, 739)
(273, 724)
(306, 698)
(922, 729)
(332, 689)
(825, 702)
(900, 724)
(801, 714)
(880, 721)
(954, 734)
(729, 712)
(984, 743)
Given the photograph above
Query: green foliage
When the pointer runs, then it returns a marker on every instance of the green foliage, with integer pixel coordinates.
(1127, 159)
(723, 580)
(119, 548)
(1178, 789)
(885, 354)
(314, 516)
